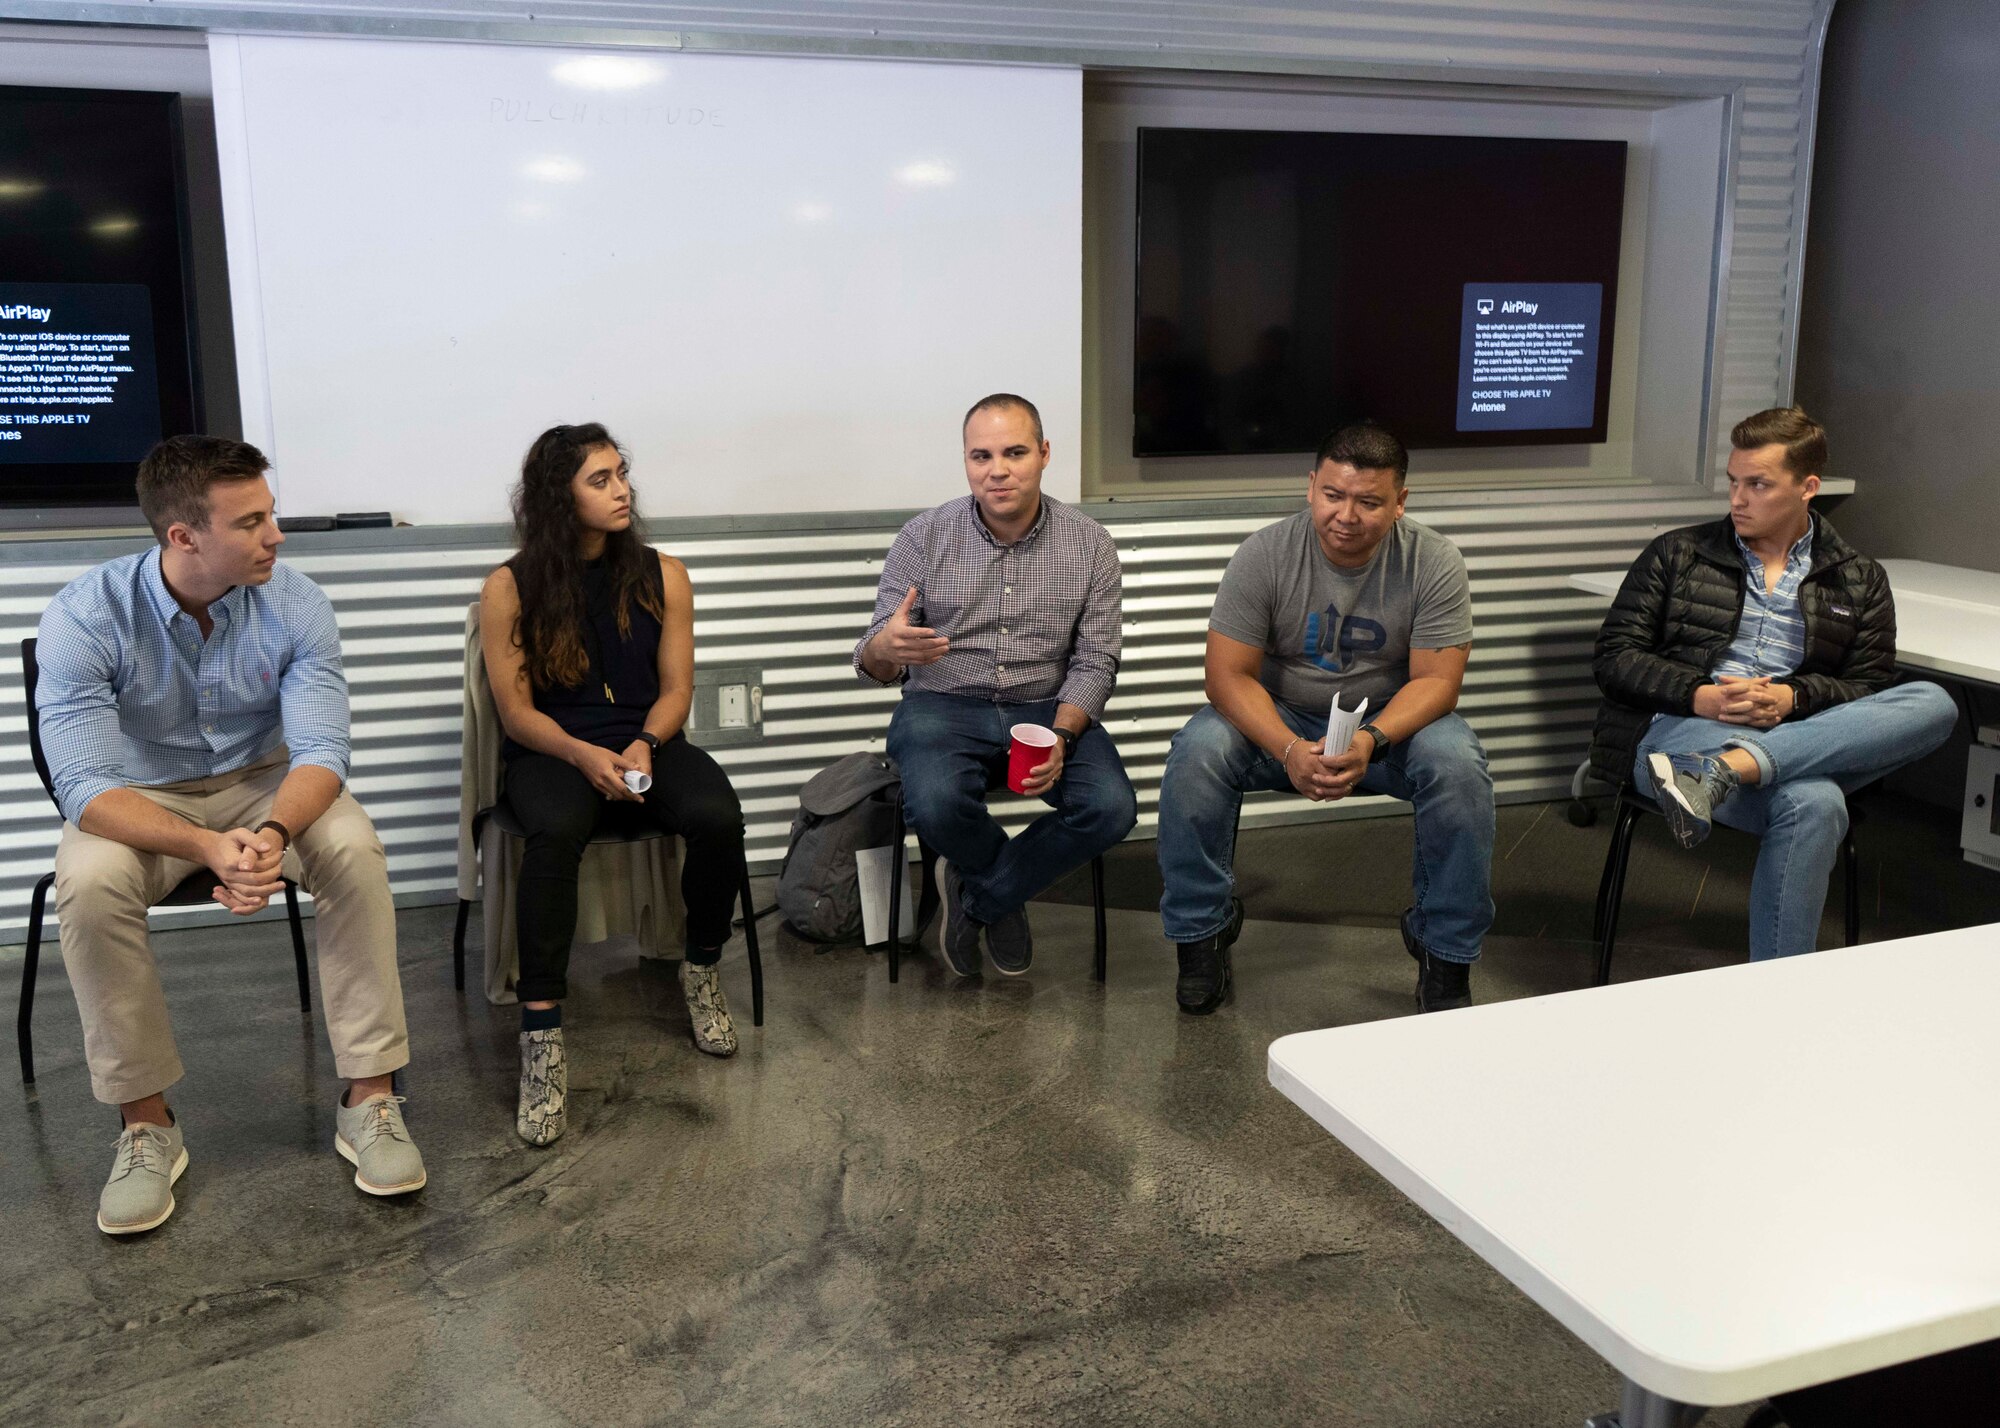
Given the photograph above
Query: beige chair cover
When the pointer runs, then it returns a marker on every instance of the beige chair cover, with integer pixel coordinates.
(623, 890)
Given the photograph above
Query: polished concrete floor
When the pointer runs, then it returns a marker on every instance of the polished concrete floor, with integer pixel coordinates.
(1031, 1201)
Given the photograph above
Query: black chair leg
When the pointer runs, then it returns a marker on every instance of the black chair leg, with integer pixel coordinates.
(1604, 884)
(750, 946)
(298, 947)
(458, 944)
(899, 874)
(1097, 903)
(1620, 856)
(25, 1024)
(1850, 870)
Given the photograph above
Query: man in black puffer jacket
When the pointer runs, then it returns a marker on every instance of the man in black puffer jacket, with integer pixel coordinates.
(1746, 667)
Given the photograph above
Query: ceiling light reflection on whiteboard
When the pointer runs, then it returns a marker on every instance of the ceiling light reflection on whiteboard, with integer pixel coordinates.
(812, 211)
(926, 173)
(609, 72)
(554, 169)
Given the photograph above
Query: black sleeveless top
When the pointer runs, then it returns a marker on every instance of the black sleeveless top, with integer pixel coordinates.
(622, 680)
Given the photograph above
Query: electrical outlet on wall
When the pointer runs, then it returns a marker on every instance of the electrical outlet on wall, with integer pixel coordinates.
(727, 707)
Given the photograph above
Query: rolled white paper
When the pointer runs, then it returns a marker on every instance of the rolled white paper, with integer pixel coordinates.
(1341, 726)
(638, 782)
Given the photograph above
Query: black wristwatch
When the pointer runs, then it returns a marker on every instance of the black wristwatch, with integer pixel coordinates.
(1381, 739)
(1069, 739)
(650, 740)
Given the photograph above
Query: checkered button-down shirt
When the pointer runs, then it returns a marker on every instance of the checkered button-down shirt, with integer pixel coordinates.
(132, 696)
(1771, 635)
(1034, 620)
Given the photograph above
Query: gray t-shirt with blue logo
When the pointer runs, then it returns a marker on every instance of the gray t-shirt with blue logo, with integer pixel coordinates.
(1325, 628)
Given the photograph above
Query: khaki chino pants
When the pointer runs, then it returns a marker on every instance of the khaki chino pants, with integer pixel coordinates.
(104, 889)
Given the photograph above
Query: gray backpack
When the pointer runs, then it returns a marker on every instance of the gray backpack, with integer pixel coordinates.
(848, 805)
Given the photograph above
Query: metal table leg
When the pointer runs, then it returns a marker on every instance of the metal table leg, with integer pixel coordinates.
(1642, 1408)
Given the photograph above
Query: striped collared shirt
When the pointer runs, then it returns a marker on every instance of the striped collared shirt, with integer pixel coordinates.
(1771, 636)
(1037, 619)
(132, 696)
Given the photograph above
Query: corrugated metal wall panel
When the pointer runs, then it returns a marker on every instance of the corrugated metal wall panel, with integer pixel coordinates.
(794, 601)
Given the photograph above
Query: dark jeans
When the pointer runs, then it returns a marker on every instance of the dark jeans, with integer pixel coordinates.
(690, 796)
(1440, 770)
(950, 749)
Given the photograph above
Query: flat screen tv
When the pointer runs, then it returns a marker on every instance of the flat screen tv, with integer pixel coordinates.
(97, 351)
(1458, 290)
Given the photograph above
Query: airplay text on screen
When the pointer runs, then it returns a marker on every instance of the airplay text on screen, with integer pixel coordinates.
(77, 381)
(1527, 356)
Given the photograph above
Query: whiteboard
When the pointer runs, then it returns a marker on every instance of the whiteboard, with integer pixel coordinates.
(780, 282)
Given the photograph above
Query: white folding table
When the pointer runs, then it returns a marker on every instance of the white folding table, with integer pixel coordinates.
(1947, 619)
(1729, 1183)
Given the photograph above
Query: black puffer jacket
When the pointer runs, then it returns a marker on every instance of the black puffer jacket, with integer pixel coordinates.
(1677, 612)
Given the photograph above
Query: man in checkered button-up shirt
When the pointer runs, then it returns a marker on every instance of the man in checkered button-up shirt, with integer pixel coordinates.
(996, 609)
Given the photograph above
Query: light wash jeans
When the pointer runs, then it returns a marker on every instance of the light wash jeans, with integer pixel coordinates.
(951, 749)
(1807, 767)
(1441, 771)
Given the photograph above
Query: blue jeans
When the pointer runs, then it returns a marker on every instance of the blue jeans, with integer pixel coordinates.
(1441, 771)
(1798, 807)
(952, 749)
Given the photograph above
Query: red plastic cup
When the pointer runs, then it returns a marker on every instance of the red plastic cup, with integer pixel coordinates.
(1030, 750)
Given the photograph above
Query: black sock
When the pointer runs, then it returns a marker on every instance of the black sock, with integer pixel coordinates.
(546, 1019)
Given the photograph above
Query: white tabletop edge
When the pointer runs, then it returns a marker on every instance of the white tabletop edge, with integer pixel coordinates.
(1709, 1385)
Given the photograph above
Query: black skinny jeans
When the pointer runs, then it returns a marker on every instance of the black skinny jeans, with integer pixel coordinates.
(690, 796)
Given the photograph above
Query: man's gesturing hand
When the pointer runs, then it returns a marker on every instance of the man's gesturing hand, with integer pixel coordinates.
(900, 642)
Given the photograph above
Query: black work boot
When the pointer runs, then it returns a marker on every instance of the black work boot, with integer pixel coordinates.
(1204, 980)
(1441, 985)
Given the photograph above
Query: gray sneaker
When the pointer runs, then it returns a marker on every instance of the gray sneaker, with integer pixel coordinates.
(958, 934)
(539, 1116)
(708, 1013)
(1689, 788)
(140, 1193)
(373, 1138)
(1011, 944)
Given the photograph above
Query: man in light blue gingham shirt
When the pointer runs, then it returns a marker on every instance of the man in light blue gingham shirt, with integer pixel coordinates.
(131, 693)
(193, 710)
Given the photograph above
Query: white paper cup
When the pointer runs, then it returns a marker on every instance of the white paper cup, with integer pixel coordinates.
(638, 782)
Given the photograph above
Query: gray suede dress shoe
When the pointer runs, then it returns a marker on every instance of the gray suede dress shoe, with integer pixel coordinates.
(958, 934)
(140, 1193)
(373, 1139)
(1010, 943)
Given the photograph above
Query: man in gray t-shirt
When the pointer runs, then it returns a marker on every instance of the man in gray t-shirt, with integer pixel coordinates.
(1350, 599)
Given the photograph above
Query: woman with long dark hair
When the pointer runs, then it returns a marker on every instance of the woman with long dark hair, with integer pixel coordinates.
(589, 641)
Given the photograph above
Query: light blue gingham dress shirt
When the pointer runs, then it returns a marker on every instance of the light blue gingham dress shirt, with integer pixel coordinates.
(132, 696)
(1771, 635)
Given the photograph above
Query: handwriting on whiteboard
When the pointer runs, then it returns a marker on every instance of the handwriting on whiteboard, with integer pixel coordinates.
(602, 113)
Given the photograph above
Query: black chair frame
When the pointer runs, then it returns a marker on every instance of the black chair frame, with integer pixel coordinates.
(192, 891)
(1633, 805)
(612, 831)
(899, 876)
